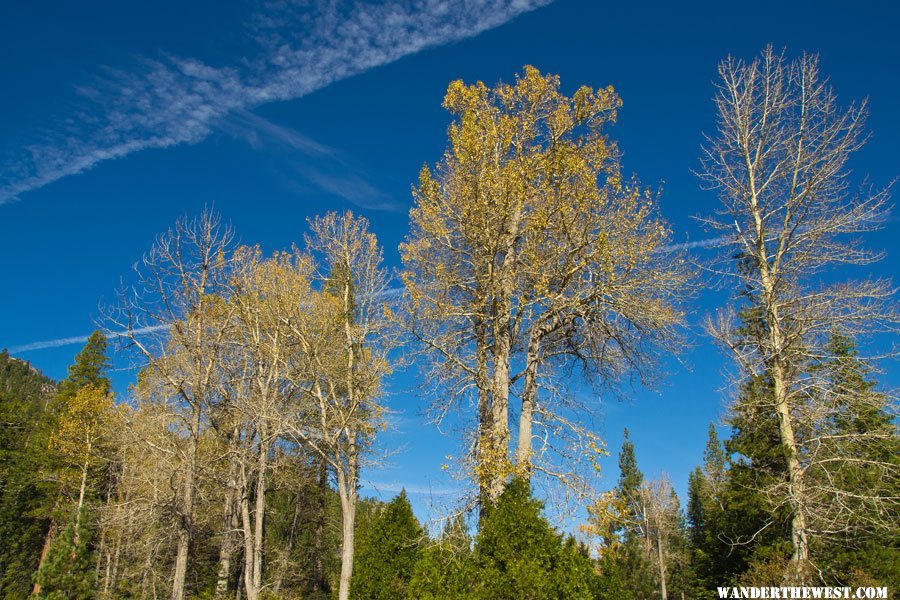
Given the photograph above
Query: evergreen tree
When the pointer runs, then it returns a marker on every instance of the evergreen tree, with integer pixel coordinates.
(633, 564)
(387, 552)
(24, 495)
(68, 569)
(861, 556)
(445, 570)
(90, 367)
(519, 556)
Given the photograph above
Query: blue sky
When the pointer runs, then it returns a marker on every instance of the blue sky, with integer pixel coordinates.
(116, 118)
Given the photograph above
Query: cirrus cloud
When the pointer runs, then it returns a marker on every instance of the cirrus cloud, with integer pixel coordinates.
(301, 47)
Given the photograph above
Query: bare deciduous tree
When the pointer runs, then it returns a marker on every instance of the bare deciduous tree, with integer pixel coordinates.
(173, 317)
(661, 514)
(341, 335)
(780, 165)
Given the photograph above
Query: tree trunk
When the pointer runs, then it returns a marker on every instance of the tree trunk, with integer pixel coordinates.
(48, 540)
(348, 494)
(348, 524)
(484, 410)
(662, 567)
(498, 441)
(81, 493)
(779, 372)
(320, 582)
(185, 522)
(226, 549)
(260, 510)
(249, 554)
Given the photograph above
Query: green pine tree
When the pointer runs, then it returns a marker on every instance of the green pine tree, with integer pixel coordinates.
(25, 497)
(445, 570)
(387, 552)
(519, 556)
(863, 556)
(68, 570)
(634, 567)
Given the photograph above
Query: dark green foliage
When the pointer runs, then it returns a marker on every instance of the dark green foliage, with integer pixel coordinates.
(445, 570)
(386, 553)
(519, 556)
(611, 583)
(24, 498)
(863, 556)
(630, 557)
(68, 571)
(89, 367)
(302, 546)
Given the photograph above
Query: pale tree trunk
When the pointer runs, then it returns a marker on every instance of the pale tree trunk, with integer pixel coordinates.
(253, 525)
(781, 390)
(348, 495)
(662, 567)
(321, 580)
(529, 394)
(795, 471)
(45, 549)
(484, 408)
(81, 493)
(498, 442)
(526, 417)
(185, 521)
(226, 549)
(249, 555)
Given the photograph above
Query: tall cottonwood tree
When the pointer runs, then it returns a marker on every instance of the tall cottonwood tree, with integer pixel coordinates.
(342, 334)
(529, 254)
(251, 415)
(780, 165)
(175, 317)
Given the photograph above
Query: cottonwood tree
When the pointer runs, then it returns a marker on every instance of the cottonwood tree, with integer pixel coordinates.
(175, 316)
(140, 520)
(661, 522)
(779, 162)
(529, 255)
(342, 334)
(254, 399)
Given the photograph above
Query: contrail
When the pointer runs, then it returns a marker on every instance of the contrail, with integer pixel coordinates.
(718, 242)
(301, 47)
(80, 339)
(395, 487)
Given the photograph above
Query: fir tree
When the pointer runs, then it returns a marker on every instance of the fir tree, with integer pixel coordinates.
(90, 367)
(445, 570)
(633, 564)
(68, 569)
(519, 556)
(24, 496)
(387, 552)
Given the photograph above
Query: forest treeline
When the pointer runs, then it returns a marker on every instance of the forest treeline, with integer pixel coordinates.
(532, 270)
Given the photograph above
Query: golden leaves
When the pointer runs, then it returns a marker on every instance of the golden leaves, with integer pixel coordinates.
(82, 423)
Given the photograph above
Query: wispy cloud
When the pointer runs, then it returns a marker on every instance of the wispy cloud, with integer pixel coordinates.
(717, 242)
(79, 339)
(302, 47)
(256, 130)
(395, 487)
(322, 167)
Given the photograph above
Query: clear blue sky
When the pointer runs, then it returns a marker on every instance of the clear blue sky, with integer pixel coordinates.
(118, 117)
